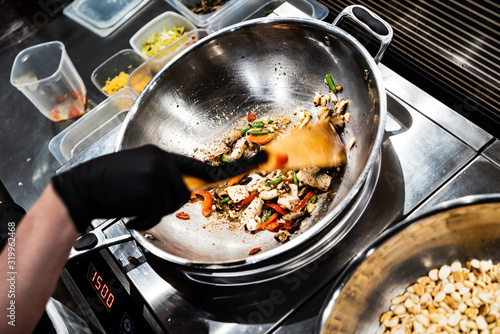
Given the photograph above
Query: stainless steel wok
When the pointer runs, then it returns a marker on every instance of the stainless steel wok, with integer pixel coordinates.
(272, 67)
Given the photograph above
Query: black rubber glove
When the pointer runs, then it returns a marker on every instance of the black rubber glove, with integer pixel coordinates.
(144, 182)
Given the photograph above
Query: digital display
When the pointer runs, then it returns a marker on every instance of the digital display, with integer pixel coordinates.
(100, 287)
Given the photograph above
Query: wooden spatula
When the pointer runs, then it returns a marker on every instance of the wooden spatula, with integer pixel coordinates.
(315, 145)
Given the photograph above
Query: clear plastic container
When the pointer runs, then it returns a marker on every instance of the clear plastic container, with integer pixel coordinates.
(103, 16)
(123, 61)
(183, 6)
(144, 73)
(47, 77)
(96, 123)
(169, 19)
(252, 9)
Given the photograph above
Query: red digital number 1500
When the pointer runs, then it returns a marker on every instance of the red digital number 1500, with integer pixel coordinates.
(100, 287)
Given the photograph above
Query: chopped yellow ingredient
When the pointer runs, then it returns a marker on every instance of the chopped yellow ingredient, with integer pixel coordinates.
(115, 84)
(155, 42)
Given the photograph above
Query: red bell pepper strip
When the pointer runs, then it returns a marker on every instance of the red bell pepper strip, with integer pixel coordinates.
(305, 200)
(275, 227)
(271, 220)
(206, 206)
(261, 139)
(182, 215)
(251, 117)
(254, 251)
(234, 180)
(244, 202)
(277, 208)
(281, 160)
(287, 226)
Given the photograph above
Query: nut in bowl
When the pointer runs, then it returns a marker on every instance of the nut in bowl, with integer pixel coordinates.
(159, 33)
(437, 272)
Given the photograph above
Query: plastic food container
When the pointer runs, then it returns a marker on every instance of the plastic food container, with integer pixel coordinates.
(103, 17)
(124, 61)
(253, 9)
(169, 19)
(95, 124)
(45, 74)
(144, 73)
(201, 20)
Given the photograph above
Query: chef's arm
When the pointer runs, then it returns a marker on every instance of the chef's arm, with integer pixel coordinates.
(145, 183)
(32, 262)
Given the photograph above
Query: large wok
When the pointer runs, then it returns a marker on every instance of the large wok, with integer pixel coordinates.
(274, 67)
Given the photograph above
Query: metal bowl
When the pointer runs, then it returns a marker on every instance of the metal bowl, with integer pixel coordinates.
(462, 229)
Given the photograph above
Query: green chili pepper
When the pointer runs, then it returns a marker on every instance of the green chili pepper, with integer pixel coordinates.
(225, 200)
(295, 179)
(224, 160)
(257, 133)
(270, 121)
(245, 130)
(313, 199)
(331, 84)
(268, 214)
(258, 125)
(270, 183)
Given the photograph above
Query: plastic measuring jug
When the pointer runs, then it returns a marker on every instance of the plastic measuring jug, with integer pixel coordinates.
(47, 77)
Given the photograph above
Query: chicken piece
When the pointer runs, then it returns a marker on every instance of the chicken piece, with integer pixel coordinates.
(282, 236)
(309, 176)
(341, 106)
(253, 185)
(238, 150)
(324, 113)
(305, 121)
(290, 199)
(237, 193)
(269, 194)
(250, 216)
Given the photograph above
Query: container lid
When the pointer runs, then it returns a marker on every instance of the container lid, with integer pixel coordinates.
(90, 127)
(103, 16)
(254, 9)
(202, 20)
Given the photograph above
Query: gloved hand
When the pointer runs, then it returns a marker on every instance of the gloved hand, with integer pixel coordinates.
(144, 182)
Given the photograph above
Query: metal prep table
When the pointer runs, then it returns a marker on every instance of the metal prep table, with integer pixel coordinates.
(430, 154)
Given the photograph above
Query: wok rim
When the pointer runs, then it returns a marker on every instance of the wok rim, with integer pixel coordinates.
(387, 235)
(335, 212)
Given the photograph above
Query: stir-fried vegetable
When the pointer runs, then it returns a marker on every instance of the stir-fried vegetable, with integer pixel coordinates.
(246, 201)
(235, 179)
(272, 201)
(305, 200)
(182, 215)
(206, 206)
(225, 200)
(261, 139)
(277, 208)
(268, 222)
(331, 83)
(258, 133)
(274, 182)
(295, 180)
